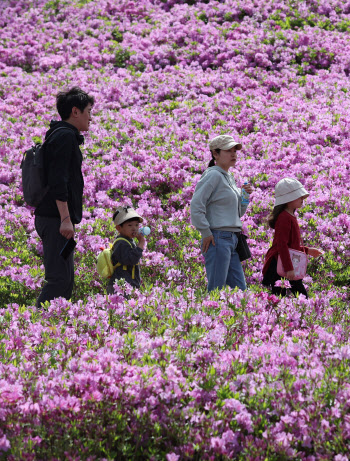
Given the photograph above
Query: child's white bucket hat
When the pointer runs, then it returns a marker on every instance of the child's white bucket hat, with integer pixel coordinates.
(287, 190)
(124, 213)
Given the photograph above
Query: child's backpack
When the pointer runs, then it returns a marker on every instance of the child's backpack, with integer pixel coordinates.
(104, 263)
(34, 183)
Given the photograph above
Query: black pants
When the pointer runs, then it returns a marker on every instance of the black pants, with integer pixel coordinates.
(271, 277)
(59, 272)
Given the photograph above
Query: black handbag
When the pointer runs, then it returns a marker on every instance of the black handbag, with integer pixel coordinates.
(242, 247)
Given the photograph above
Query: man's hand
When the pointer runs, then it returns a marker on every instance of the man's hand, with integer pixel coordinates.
(67, 229)
(206, 243)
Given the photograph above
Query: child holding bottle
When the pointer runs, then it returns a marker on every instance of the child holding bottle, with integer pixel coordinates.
(126, 254)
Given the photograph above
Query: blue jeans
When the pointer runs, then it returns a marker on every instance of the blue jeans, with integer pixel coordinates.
(222, 262)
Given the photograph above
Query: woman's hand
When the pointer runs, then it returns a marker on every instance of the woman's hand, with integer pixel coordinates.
(206, 243)
(248, 188)
(314, 252)
(290, 275)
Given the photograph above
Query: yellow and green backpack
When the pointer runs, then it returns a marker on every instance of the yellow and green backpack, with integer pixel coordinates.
(104, 263)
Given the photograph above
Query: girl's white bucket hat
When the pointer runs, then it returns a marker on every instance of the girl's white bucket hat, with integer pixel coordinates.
(287, 190)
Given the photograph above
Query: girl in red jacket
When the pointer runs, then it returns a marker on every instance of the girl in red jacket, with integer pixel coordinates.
(289, 194)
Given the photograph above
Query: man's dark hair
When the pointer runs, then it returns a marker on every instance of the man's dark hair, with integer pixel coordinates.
(75, 97)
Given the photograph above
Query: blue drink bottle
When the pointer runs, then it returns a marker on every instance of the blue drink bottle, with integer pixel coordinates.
(245, 195)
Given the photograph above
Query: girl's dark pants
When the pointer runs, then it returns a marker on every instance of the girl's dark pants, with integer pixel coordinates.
(271, 277)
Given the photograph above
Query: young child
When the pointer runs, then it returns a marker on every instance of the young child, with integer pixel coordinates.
(289, 196)
(125, 252)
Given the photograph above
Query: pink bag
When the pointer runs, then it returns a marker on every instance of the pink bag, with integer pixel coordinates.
(299, 261)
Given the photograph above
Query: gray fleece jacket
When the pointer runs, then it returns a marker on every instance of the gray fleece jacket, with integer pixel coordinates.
(216, 203)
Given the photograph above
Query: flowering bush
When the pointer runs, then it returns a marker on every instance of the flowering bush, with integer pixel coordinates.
(171, 373)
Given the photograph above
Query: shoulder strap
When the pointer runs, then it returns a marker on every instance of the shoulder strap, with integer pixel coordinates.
(227, 177)
(38, 147)
(118, 239)
(57, 129)
(231, 187)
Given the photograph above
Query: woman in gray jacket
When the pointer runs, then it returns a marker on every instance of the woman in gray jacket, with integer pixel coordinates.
(216, 208)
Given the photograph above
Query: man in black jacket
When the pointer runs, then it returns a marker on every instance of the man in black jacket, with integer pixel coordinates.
(61, 208)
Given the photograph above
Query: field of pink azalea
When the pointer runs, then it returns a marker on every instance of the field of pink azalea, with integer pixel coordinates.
(171, 373)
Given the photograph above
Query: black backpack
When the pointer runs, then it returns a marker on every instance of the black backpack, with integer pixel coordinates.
(34, 183)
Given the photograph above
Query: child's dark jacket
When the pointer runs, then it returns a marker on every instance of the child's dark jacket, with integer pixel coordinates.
(128, 256)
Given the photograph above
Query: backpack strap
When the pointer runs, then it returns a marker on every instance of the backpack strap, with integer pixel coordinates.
(121, 238)
(37, 146)
(118, 239)
(55, 130)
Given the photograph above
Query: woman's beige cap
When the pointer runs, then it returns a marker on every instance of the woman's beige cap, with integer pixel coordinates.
(124, 213)
(224, 142)
(287, 190)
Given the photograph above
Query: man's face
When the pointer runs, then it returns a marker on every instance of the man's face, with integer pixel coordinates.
(82, 119)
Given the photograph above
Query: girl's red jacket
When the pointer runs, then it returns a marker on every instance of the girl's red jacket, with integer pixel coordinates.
(287, 235)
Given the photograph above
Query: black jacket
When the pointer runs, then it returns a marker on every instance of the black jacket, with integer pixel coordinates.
(62, 164)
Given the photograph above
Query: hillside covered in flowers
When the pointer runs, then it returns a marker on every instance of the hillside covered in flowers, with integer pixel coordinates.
(172, 373)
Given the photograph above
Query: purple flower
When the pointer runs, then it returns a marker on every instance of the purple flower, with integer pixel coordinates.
(172, 457)
(4, 443)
